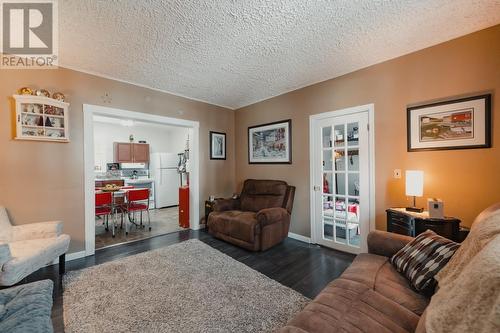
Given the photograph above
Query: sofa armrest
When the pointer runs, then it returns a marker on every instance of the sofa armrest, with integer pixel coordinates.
(268, 216)
(4, 254)
(222, 205)
(37, 230)
(386, 243)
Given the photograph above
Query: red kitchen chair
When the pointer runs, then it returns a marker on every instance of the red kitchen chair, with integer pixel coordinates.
(104, 207)
(137, 201)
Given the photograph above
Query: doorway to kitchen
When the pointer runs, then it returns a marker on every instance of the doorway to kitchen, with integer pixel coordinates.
(134, 165)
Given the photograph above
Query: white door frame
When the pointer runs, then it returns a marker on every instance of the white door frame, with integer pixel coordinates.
(368, 108)
(88, 151)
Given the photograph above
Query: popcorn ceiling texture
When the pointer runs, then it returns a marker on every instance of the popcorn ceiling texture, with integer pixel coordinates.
(236, 52)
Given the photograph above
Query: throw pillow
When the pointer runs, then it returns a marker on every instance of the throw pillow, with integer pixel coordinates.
(422, 258)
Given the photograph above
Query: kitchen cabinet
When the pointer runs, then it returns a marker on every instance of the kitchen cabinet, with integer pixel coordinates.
(123, 152)
(140, 152)
(131, 152)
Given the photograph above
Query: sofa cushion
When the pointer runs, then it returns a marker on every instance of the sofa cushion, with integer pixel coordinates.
(235, 223)
(352, 306)
(370, 296)
(260, 194)
(27, 308)
(422, 258)
(377, 273)
(397, 288)
(30, 255)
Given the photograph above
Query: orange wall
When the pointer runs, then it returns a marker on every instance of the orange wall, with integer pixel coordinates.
(467, 180)
(42, 181)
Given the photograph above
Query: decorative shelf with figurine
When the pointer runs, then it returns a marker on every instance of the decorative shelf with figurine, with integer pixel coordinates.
(41, 118)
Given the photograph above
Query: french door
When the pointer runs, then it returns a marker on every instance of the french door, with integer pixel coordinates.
(340, 172)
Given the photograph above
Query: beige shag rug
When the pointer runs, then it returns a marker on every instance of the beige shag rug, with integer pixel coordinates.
(187, 287)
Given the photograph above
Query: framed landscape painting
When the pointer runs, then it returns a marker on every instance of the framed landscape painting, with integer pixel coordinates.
(217, 146)
(458, 124)
(270, 143)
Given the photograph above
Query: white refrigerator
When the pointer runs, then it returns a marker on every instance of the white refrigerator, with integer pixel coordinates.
(163, 168)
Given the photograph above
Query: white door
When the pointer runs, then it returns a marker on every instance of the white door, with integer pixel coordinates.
(340, 167)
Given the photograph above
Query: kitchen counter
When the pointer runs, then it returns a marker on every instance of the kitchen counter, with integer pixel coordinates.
(127, 179)
(138, 181)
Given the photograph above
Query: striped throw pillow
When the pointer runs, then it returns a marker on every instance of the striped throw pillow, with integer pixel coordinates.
(422, 258)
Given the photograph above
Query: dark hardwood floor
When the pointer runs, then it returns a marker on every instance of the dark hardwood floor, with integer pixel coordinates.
(303, 267)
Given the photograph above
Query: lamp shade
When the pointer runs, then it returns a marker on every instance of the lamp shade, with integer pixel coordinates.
(414, 183)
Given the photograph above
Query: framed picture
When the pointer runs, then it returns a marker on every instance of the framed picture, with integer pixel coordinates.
(217, 146)
(270, 143)
(458, 124)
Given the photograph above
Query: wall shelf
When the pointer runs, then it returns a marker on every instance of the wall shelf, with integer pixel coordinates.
(40, 118)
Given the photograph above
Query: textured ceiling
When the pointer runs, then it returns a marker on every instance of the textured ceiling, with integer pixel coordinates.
(237, 52)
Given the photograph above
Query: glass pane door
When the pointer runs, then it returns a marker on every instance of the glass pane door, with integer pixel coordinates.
(344, 174)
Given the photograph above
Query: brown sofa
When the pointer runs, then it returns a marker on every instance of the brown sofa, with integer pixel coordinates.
(370, 296)
(258, 219)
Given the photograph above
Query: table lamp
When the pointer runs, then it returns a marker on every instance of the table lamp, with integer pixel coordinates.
(414, 187)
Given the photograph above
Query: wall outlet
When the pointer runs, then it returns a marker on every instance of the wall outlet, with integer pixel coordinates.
(397, 173)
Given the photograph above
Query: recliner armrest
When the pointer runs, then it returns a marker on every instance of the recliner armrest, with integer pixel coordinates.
(222, 205)
(268, 216)
(37, 230)
(386, 243)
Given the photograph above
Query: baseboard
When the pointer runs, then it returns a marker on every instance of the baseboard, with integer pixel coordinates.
(299, 237)
(69, 257)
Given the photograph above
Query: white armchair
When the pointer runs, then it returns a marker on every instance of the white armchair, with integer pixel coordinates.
(26, 248)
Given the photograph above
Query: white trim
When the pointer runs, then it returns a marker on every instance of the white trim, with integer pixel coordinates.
(371, 138)
(69, 257)
(108, 77)
(299, 237)
(88, 136)
(370, 108)
(88, 179)
(312, 158)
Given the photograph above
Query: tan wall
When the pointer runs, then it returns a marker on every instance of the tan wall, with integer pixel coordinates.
(44, 181)
(467, 180)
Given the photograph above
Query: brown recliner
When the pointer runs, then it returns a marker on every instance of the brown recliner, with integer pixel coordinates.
(258, 219)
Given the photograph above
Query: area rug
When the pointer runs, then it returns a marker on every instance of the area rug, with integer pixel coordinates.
(187, 287)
